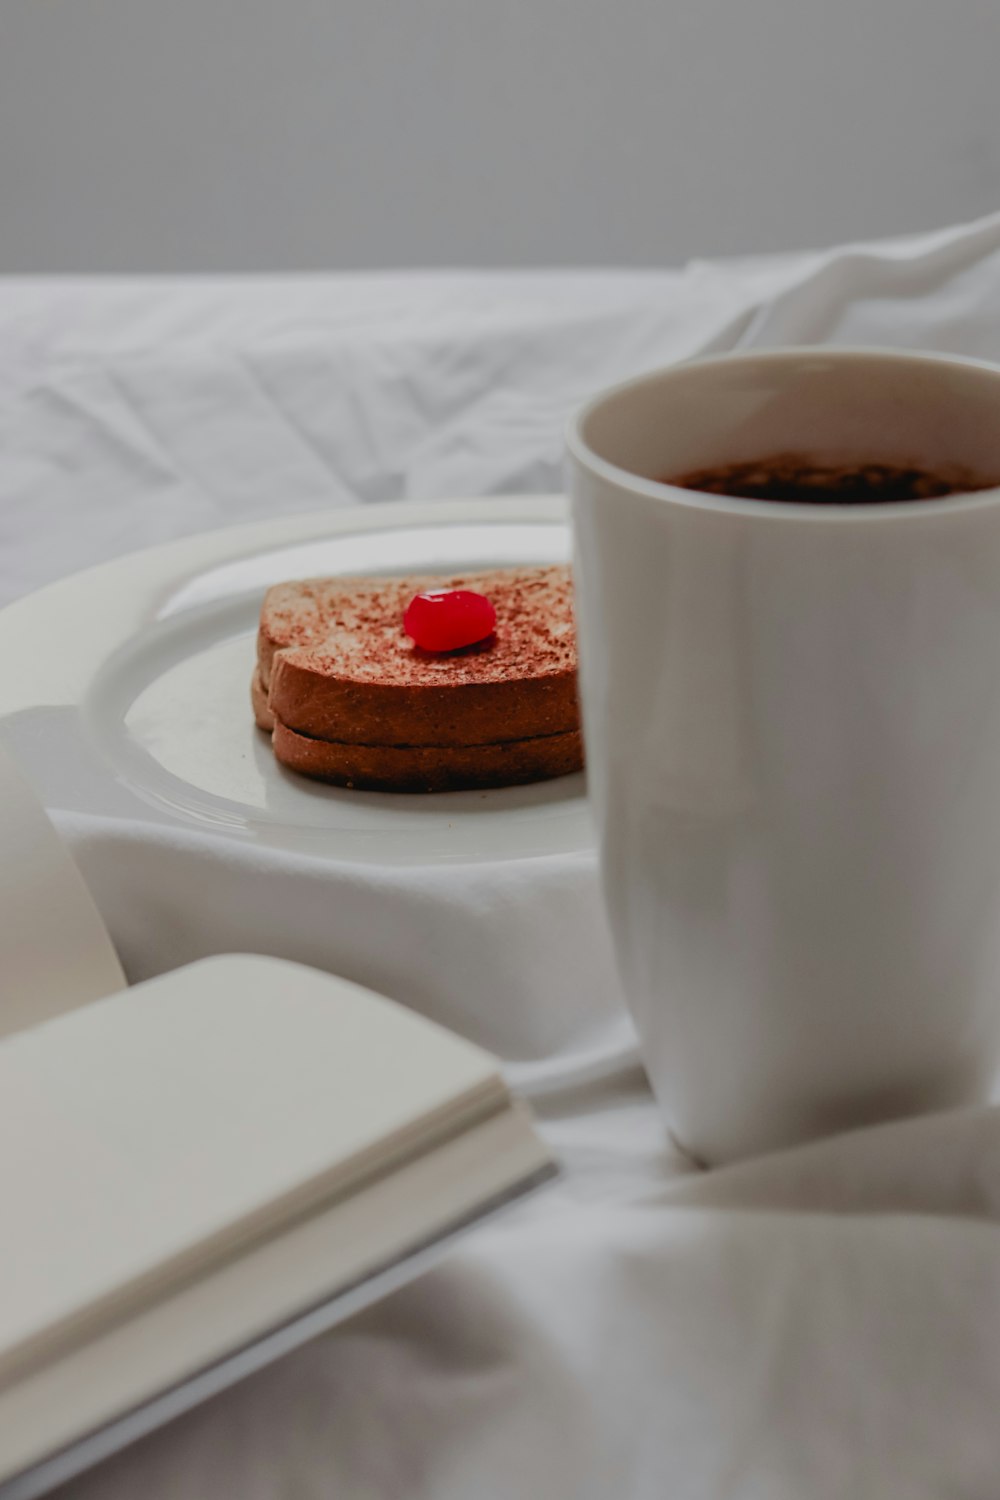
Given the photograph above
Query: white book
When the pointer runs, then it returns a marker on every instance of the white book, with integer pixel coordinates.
(202, 1171)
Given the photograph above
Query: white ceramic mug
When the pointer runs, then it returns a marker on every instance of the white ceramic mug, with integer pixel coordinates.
(792, 722)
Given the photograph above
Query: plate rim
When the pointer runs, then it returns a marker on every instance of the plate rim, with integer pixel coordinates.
(128, 594)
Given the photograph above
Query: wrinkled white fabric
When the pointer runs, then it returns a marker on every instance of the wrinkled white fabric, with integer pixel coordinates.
(820, 1323)
(515, 955)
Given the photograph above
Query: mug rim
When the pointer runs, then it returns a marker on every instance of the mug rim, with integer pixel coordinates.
(829, 513)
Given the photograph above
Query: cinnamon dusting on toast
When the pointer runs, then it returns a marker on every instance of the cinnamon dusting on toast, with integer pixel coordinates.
(336, 667)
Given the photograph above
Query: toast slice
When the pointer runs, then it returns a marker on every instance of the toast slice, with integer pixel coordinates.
(429, 768)
(336, 663)
(335, 667)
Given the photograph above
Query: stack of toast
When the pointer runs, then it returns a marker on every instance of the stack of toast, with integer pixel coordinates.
(350, 699)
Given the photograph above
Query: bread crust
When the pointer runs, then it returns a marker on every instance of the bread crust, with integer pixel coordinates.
(258, 697)
(428, 768)
(326, 708)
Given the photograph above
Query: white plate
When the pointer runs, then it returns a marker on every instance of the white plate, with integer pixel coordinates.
(125, 689)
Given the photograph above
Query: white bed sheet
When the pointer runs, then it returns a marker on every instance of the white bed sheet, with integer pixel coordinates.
(822, 1323)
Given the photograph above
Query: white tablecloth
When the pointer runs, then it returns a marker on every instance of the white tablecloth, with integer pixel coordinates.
(822, 1323)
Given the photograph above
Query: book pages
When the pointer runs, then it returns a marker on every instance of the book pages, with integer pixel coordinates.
(144, 1135)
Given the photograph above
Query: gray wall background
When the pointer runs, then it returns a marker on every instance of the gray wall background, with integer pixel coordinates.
(167, 135)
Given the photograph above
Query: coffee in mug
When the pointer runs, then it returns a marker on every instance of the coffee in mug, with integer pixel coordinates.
(798, 479)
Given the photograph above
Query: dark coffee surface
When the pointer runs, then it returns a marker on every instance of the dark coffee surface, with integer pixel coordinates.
(797, 479)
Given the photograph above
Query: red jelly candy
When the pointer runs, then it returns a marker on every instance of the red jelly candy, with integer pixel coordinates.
(445, 619)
